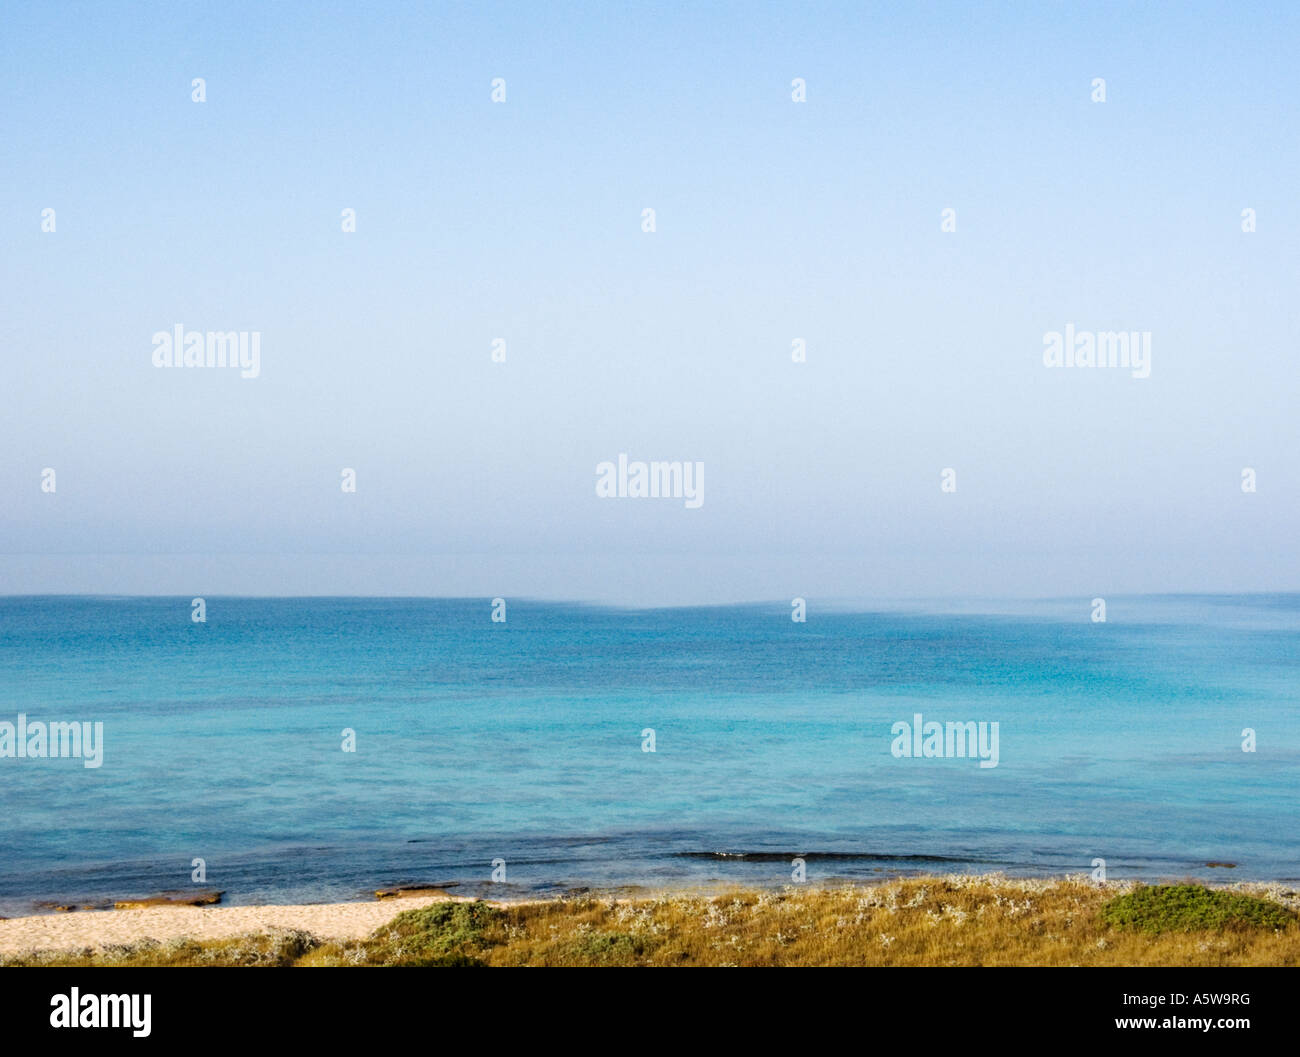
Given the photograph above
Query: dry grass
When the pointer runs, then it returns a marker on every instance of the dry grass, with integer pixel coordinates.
(956, 920)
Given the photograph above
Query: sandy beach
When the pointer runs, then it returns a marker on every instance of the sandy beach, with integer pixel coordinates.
(102, 928)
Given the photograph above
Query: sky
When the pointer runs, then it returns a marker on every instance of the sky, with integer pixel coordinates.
(774, 220)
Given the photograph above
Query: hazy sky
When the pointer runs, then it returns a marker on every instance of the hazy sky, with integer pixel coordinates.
(775, 220)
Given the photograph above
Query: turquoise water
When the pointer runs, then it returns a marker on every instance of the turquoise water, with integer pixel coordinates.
(522, 741)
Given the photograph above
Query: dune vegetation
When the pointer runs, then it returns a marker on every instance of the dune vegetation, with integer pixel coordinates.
(956, 920)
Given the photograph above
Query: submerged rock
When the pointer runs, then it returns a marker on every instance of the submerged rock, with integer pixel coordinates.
(171, 899)
(404, 891)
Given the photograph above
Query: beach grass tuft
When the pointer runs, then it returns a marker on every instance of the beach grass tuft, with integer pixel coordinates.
(279, 947)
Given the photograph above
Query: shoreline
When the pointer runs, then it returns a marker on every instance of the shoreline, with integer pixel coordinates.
(1222, 873)
(354, 920)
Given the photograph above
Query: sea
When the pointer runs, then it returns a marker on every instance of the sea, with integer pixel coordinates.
(287, 750)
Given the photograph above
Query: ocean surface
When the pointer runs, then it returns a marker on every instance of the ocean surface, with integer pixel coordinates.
(523, 741)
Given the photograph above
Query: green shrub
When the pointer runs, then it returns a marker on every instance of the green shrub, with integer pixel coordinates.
(442, 934)
(1189, 908)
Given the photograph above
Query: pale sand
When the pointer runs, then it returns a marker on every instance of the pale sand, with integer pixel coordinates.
(101, 928)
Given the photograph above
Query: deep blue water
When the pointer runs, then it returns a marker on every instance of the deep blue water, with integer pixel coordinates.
(522, 741)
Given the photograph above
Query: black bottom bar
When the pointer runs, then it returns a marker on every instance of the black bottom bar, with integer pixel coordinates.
(1040, 1006)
